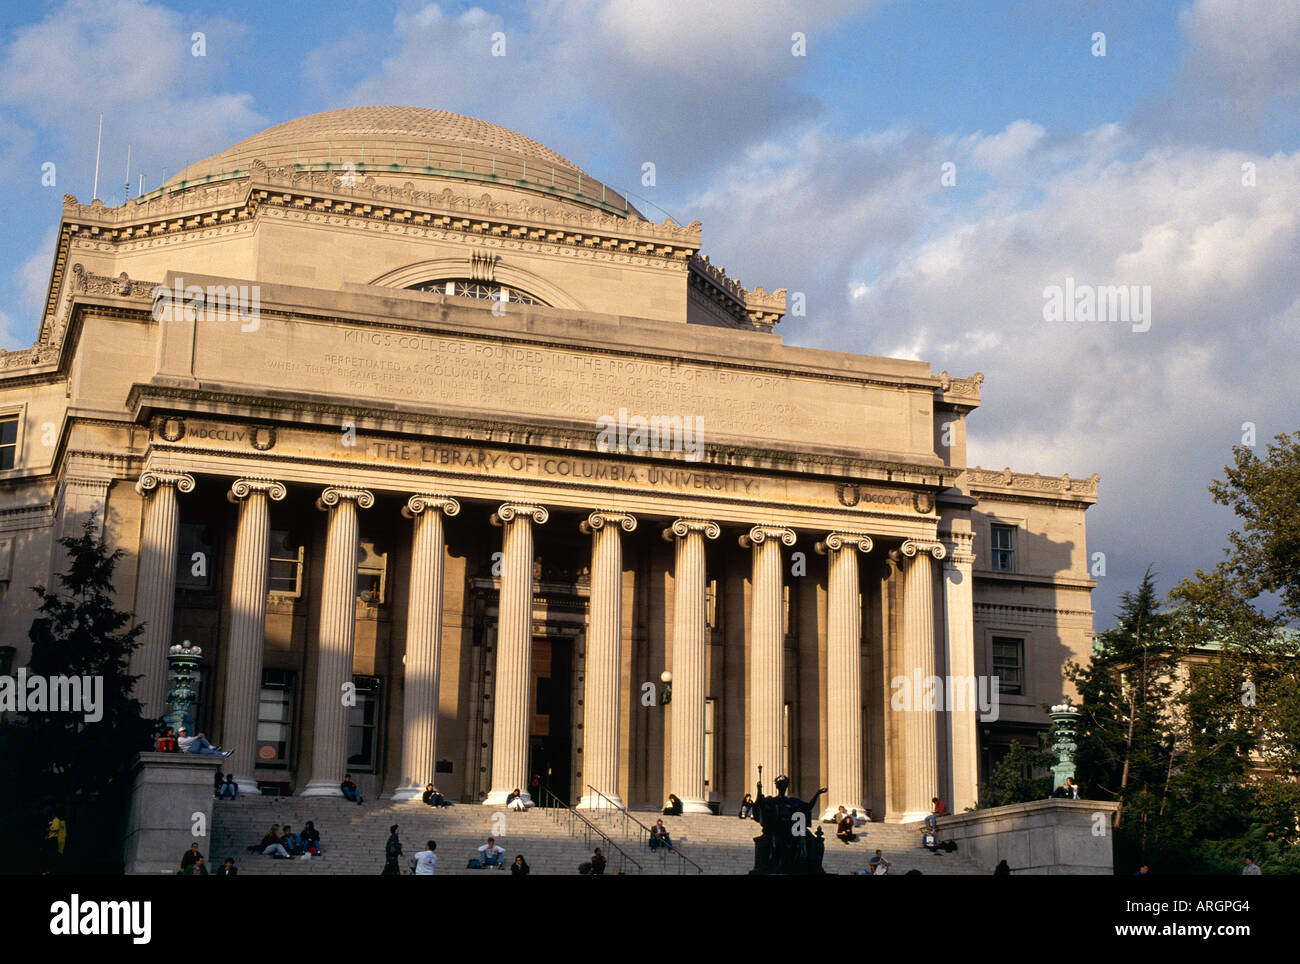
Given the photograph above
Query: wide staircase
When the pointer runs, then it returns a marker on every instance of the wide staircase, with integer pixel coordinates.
(553, 840)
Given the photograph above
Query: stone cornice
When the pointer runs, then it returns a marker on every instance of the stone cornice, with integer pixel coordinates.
(1033, 610)
(1061, 487)
(960, 392)
(749, 308)
(146, 399)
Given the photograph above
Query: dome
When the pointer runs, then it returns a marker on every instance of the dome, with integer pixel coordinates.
(395, 144)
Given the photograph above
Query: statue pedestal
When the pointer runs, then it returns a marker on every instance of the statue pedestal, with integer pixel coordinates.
(171, 797)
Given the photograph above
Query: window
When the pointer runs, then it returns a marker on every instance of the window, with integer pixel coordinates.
(275, 718)
(371, 569)
(1004, 547)
(286, 564)
(1009, 665)
(485, 290)
(710, 707)
(194, 558)
(363, 724)
(8, 441)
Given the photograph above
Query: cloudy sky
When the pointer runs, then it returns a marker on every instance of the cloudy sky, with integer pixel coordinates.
(923, 172)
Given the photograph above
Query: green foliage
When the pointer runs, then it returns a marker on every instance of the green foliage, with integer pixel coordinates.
(1012, 780)
(78, 631)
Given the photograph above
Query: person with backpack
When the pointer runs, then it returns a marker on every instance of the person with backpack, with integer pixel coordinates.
(392, 853)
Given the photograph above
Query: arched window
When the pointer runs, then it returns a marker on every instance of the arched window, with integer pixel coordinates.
(486, 290)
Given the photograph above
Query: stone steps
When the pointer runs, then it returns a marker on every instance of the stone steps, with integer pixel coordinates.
(354, 838)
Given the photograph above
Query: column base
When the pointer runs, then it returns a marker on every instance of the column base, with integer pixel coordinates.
(913, 816)
(695, 806)
(323, 788)
(593, 802)
(406, 793)
(497, 798)
(247, 785)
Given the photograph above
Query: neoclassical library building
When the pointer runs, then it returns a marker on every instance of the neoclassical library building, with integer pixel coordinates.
(458, 469)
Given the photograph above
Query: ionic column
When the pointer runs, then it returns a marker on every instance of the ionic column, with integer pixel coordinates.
(423, 642)
(767, 650)
(510, 709)
(155, 594)
(920, 723)
(959, 626)
(243, 656)
(844, 671)
(338, 626)
(604, 657)
(686, 738)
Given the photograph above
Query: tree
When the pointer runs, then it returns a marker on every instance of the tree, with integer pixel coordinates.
(1012, 779)
(80, 632)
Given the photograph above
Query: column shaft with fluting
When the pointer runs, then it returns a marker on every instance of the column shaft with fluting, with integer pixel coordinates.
(686, 736)
(155, 601)
(510, 709)
(335, 639)
(600, 719)
(766, 696)
(920, 725)
(423, 643)
(844, 671)
(243, 656)
(959, 618)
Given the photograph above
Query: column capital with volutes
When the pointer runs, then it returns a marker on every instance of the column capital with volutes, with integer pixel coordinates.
(934, 547)
(150, 479)
(761, 533)
(835, 541)
(512, 511)
(424, 501)
(603, 517)
(241, 489)
(681, 528)
(335, 494)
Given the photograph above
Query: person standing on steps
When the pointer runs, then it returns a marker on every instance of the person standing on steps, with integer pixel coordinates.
(392, 853)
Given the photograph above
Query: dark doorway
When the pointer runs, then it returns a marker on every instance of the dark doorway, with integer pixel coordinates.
(549, 731)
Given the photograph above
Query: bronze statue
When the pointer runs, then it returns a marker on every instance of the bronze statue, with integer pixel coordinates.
(791, 842)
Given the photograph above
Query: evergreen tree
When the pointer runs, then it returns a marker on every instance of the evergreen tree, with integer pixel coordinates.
(1127, 716)
(78, 631)
(1012, 779)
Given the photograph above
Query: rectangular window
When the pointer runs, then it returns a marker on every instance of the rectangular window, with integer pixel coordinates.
(275, 718)
(372, 568)
(8, 441)
(286, 564)
(709, 707)
(1009, 665)
(363, 724)
(1003, 543)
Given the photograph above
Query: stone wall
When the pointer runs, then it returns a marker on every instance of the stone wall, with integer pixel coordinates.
(1043, 837)
(169, 794)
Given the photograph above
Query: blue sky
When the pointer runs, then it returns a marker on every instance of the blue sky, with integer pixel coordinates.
(1126, 168)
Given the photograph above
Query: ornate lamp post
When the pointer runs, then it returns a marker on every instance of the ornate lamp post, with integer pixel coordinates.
(1065, 720)
(184, 667)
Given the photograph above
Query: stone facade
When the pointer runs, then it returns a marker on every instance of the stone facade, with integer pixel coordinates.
(377, 438)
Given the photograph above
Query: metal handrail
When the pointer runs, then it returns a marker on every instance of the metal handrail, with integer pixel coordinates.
(561, 812)
(645, 832)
